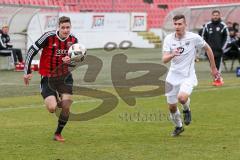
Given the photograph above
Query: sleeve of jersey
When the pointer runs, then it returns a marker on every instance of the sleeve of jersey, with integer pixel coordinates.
(166, 45)
(33, 50)
(199, 41)
(76, 40)
(204, 32)
(226, 37)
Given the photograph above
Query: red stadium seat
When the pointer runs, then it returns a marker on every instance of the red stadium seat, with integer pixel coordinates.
(155, 15)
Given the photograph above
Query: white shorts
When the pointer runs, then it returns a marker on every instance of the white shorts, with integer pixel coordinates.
(176, 84)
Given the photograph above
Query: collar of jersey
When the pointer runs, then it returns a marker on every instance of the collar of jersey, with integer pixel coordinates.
(57, 31)
(179, 39)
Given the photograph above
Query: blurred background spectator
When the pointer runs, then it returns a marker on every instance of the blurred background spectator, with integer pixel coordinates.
(6, 48)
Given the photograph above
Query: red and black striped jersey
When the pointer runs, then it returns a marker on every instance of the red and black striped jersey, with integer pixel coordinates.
(54, 49)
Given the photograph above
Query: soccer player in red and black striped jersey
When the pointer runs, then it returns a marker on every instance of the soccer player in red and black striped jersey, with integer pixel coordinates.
(56, 78)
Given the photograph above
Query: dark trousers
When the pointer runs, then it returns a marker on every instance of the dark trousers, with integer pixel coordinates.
(15, 52)
(218, 61)
(218, 58)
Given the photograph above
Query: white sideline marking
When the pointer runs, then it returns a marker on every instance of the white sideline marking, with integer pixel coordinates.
(17, 108)
(92, 100)
(37, 84)
(16, 84)
(40, 106)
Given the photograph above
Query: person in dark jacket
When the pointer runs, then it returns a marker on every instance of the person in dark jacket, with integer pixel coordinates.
(6, 48)
(216, 34)
(233, 46)
(232, 50)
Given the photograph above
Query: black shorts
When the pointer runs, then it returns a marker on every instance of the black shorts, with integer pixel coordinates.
(50, 86)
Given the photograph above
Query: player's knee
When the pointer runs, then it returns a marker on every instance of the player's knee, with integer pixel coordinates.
(51, 108)
(172, 108)
(51, 103)
(182, 99)
(66, 104)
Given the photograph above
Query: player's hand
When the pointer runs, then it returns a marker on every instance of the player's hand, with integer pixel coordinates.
(66, 60)
(216, 74)
(27, 78)
(9, 45)
(175, 53)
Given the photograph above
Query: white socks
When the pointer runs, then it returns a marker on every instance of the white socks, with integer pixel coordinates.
(186, 105)
(176, 118)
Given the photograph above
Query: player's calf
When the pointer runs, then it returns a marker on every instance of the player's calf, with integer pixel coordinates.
(51, 108)
(182, 99)
(187, 117)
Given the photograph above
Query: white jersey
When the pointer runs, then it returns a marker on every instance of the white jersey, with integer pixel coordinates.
(183, 65)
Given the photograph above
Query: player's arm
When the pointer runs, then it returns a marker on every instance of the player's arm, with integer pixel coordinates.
(33, 50)
(168, 56)
(205, 32)
(210, 55)
(168, 53)
(225, 39)
(2, 45)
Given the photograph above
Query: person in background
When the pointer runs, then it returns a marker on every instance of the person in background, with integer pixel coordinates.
(232, 50)
(6, 48)
(216, 34)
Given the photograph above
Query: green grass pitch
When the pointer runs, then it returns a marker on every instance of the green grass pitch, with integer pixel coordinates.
(141, 132)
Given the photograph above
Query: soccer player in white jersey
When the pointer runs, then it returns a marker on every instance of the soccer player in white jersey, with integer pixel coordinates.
(180, 48)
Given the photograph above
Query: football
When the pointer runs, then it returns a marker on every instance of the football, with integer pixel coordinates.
(77, 52)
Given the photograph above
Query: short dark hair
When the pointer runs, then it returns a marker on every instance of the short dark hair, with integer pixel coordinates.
(64, 19)
(215, 11)
(179, 16)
